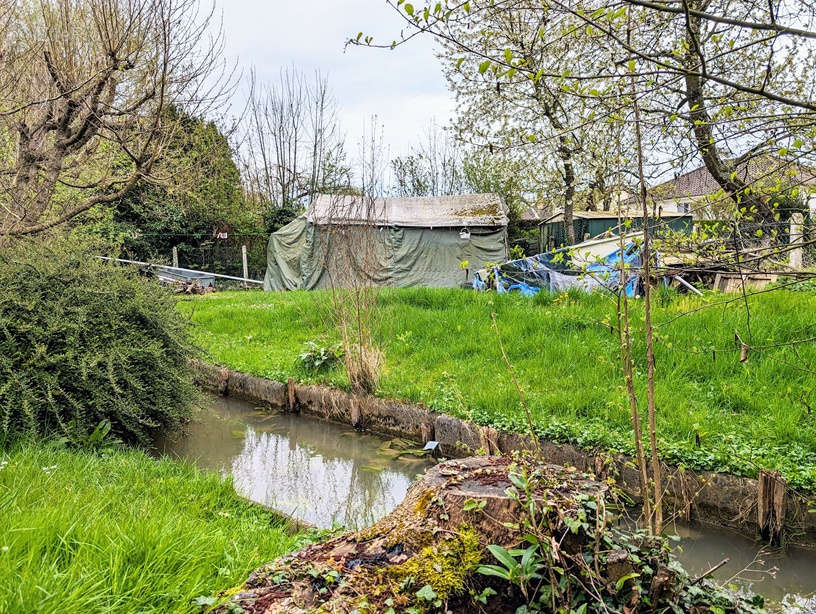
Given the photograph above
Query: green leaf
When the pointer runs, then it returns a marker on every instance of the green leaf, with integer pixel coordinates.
(494, 570)
(619, 584)
(502, 556)
(483, 596)
(484, 66)
(426, 593)
(409, 8)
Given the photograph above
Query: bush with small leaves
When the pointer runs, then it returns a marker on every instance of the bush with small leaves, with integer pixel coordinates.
(85, 342)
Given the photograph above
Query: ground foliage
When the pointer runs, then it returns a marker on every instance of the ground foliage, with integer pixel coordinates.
(84, 341)
(714, 412)
(118, 531)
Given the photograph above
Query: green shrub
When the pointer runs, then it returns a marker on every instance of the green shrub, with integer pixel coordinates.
(83, 341)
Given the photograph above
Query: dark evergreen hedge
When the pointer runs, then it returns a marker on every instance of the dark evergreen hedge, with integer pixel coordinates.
(83, 340)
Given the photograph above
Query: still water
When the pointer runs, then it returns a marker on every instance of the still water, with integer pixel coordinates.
(785, 578)
(323, 473)
(327, 474)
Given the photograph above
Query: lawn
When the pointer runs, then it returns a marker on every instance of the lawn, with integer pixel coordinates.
(441, 350)
(118, 531)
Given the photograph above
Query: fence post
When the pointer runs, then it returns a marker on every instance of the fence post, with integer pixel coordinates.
(244, 262)
(796, 224)
(175, 256)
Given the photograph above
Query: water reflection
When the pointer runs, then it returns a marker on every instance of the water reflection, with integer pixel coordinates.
(323, 473)
(782, 576)
(329, 474)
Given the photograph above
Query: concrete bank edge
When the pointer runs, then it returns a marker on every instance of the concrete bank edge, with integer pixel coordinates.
(704, 497)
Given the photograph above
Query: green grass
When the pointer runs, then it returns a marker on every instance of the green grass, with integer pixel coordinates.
(441, 350)
(119, 531)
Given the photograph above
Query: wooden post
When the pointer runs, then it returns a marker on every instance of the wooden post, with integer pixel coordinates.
(175, 256)
(244, 261)
(291, 398)
(796, 225)
(771, 500)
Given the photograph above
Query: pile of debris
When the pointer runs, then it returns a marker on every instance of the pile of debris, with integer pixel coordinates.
(191, 287)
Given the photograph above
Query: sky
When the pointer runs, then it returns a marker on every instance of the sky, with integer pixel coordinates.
(404, 87)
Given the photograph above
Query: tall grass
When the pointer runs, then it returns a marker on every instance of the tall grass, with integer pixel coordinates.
(122, 532)
(440, 350)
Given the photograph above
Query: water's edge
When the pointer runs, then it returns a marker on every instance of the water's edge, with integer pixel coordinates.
(319, 474)
(705, 497)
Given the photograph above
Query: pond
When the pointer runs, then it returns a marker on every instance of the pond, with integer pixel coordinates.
(326, 474)
(329, 474)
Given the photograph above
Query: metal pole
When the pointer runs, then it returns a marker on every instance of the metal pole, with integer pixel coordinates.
(244, 261)
(163, 266)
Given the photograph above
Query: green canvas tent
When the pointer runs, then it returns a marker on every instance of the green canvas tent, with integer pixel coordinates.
(396, 242)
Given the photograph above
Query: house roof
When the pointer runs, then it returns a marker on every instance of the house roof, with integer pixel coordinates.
(700, 182)
(608, 215)
(531, 213)
(418, 212)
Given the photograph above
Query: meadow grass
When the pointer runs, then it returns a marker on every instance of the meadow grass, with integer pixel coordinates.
(119, 531)
(441, 350)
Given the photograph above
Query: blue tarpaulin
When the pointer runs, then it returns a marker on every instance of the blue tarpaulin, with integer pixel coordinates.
(547, 272)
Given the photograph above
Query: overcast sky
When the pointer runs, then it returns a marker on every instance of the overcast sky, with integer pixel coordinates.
(404, 87)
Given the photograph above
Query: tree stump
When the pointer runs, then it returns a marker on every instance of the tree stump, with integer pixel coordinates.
(437, 535)
(426, 555)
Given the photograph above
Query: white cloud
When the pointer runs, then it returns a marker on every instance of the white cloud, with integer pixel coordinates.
(404, 87)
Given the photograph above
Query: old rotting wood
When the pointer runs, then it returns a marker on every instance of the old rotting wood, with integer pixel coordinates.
(437, 535)
(771, 501)
(291, 396)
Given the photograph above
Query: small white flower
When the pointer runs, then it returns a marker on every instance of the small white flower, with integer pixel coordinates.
(4, 548)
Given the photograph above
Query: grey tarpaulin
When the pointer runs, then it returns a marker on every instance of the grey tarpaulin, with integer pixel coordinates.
(299, 255)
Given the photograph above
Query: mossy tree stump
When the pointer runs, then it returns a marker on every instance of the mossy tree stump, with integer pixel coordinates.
(425, 555)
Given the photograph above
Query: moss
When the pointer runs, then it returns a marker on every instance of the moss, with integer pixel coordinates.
(444, 566)
(423, 502)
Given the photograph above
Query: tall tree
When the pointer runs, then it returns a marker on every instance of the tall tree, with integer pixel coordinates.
(433, 168)
(293, 147)
(200, 192)
(503, 110)
(84, 85)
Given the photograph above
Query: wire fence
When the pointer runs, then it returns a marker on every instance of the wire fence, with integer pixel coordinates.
(220, 254)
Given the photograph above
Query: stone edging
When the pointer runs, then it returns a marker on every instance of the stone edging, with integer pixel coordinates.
(706, 497)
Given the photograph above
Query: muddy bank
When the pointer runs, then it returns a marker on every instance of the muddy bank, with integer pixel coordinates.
(696, 497)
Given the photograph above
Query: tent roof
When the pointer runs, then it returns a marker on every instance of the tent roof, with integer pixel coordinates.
(418, 212)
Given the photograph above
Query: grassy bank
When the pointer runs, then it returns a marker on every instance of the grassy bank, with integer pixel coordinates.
(122, 532)
(441, 350)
